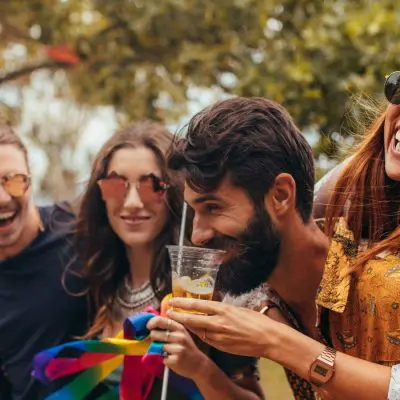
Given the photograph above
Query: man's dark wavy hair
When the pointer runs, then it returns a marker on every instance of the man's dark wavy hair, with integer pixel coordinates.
(250, 140)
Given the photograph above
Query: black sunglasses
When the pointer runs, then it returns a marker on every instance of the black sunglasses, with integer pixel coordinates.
(392, 87)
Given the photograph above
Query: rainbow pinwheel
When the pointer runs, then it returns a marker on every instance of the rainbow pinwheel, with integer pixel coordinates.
(93, 360)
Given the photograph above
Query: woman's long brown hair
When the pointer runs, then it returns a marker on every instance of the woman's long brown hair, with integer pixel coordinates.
(102, 251)
(367, 197)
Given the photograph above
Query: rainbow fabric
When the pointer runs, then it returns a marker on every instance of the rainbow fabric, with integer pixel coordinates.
(93, 360)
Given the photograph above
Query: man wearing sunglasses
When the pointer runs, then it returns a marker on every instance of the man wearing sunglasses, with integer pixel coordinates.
(36, 312)
(249, 180)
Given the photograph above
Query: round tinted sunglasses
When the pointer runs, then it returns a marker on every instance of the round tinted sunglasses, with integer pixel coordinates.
(392, 87)
(15, 185)
(150, 188)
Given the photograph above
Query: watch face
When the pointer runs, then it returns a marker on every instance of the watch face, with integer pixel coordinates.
(321, 372)
(319, 369)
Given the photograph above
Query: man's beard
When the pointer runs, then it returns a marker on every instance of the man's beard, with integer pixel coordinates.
(255, 256)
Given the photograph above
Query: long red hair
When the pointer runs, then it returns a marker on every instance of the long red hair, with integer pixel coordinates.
(367, 197)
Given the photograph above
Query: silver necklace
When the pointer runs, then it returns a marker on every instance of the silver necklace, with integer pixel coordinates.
(135, 300)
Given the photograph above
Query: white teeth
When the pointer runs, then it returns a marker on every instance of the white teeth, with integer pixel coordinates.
(7, 215)
(397, 136)
(397, 148)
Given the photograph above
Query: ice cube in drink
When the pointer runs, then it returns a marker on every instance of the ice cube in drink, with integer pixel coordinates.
(201, 288)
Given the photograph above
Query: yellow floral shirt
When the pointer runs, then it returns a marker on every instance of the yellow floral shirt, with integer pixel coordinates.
(364, 317)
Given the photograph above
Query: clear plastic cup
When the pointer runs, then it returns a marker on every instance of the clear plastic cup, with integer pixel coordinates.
(194, 271)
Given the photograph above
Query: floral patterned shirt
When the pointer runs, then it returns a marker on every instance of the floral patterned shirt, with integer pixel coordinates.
(364, 307)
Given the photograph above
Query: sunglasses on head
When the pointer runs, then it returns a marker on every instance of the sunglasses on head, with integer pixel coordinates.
(15, 185)
(150, 187)
(392, 87)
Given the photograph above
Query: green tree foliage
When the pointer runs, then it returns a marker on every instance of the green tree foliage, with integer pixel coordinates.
(141, 56)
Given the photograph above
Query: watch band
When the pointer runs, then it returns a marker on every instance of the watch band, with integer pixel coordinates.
(328, 355)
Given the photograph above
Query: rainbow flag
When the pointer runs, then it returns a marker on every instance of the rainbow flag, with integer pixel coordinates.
(89, 362)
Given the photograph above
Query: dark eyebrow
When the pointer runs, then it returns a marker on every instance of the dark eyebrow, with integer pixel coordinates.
(206, 197)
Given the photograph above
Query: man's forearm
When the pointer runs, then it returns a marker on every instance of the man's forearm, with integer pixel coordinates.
(214, 384)
(354, 379)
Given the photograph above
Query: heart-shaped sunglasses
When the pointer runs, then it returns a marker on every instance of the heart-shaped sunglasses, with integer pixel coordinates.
(149, 187)
(15, 185)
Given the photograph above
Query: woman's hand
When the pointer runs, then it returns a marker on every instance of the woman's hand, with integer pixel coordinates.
(182, 354)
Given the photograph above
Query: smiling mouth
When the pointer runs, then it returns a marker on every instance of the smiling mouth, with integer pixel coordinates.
(136, 220)
(7, 218)
(396, 141)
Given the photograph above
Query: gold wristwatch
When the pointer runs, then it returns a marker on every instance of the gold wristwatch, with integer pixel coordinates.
(323, 368)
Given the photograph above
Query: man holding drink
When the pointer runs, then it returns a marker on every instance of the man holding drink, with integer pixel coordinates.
(249, 179)
(194, 272)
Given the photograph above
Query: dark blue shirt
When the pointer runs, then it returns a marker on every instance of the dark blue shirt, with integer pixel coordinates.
(36, 310)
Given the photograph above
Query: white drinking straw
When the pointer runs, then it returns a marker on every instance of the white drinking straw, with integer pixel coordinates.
(181, 239)
(183, 224)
